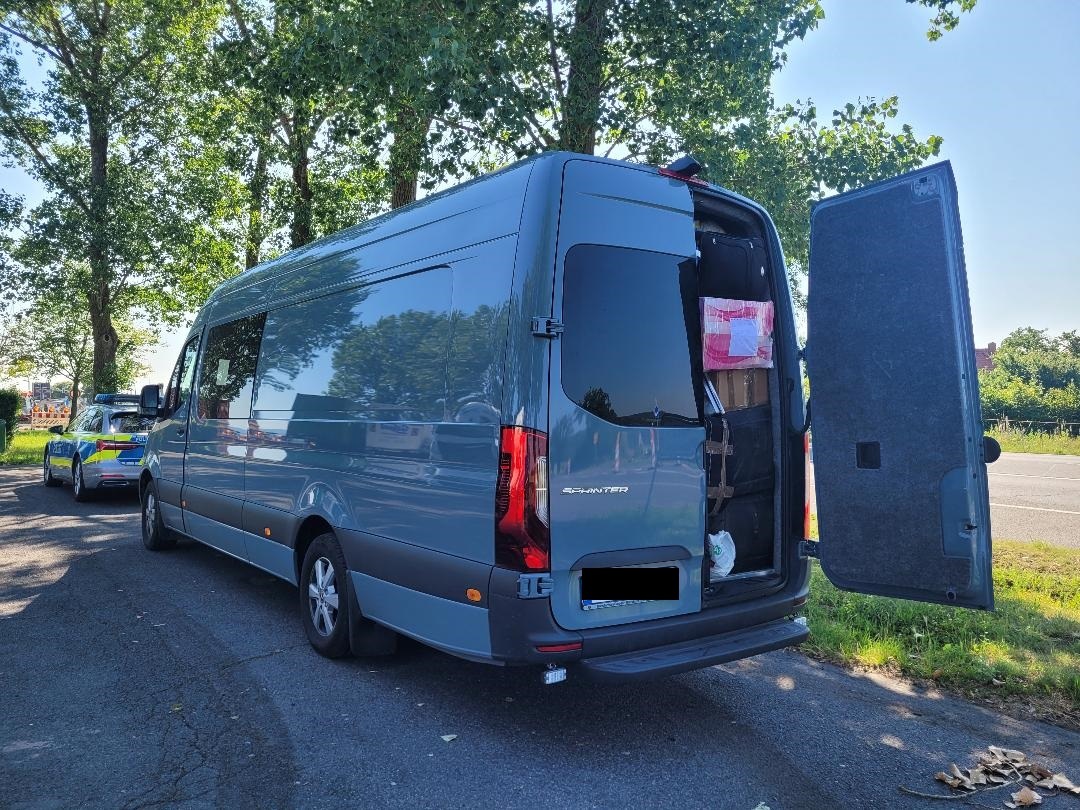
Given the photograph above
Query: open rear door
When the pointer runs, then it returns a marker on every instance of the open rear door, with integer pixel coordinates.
(902, 497)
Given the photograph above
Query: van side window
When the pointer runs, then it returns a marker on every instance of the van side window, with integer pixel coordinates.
(626, 349)
(176, 395)
(94, 425)
(227, 375)
(374, 352)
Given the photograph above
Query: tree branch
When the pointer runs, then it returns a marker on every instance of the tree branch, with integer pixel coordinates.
(40, 157)
(555, 61)
(41, 45)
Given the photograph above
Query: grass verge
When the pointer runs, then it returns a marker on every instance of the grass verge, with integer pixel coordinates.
(1023, 658)
(1019, 441)
(28, 447)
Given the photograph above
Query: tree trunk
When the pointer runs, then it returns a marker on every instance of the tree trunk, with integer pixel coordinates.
(584, 78)
(260, 178)
(407, 155)
(103, 373)
(100, 301)
(301, 229)
(74, 399)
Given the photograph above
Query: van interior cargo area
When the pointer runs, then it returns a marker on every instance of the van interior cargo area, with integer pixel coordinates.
(742, 444)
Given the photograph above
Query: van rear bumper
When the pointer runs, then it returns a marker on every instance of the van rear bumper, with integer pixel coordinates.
(694, 654)
(626, 651)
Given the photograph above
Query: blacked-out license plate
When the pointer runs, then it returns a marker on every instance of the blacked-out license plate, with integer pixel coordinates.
(610, 587)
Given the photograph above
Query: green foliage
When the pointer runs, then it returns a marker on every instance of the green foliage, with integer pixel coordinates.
(946, 18)
(1035, 378)
(129, 193)
(786, 159)
(10, 408)
(1017, 440)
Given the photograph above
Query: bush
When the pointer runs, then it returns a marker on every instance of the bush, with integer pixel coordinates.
(10, 406)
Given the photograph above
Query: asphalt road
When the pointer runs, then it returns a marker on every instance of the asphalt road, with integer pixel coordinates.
(1032, 497)
(1036, 497)
(183, 679)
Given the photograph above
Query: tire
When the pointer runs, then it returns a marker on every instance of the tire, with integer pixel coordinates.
(78, 485)
(47, 477)
(325, 600)
(155, 535)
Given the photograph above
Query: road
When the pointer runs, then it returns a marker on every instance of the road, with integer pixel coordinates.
(1036, 497)
(183, 679)
(1033, 497)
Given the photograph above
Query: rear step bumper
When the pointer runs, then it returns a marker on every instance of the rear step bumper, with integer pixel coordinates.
(657, 662)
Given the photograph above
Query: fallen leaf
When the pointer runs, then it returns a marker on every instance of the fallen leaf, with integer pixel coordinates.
(176, 707)
(951, 781)
(997, 682)
(1026, 797)
(1062, 782)
(449, 737)
(1041, 771)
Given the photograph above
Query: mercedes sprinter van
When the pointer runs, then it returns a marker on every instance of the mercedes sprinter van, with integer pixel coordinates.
(484, 420)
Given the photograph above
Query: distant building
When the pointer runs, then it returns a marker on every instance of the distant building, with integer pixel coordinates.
(984, 358)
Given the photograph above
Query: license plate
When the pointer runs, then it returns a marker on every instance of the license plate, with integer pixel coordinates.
(596, 604)
(616, 587)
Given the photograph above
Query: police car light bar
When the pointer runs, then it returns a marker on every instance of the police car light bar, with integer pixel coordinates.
(116, 399)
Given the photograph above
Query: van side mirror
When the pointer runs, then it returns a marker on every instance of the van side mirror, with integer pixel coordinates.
(150, 401)
(57, 429)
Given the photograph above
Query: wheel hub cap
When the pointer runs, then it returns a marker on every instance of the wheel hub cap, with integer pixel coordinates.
(323, 596)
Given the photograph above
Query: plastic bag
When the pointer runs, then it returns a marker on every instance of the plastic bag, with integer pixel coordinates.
(722, 552)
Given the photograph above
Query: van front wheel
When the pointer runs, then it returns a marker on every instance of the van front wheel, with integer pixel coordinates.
(324, 597)
(154, 534)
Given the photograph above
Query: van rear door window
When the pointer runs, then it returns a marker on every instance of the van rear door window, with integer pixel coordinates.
(627, 352)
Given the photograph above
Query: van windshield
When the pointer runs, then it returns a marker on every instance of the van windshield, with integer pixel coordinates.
(627, 352)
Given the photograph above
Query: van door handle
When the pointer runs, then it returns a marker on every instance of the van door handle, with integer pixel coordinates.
(181, 431)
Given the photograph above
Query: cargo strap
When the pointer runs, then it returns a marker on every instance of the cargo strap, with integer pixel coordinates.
(723, 449)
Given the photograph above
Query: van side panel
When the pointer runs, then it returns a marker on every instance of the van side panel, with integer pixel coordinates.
(466, 215)
(526, 386)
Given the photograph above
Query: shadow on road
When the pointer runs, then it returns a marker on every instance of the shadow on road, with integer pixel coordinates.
(135, 679)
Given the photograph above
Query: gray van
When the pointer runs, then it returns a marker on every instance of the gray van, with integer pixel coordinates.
(482, 421)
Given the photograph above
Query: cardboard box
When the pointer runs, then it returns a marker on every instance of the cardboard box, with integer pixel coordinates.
(741, 388)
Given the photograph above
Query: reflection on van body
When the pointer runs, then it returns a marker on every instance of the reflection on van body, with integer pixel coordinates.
(438, 422)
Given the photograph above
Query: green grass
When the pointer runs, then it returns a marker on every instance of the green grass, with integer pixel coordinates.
(1027, 650)
(1014, 440)
(28, 447)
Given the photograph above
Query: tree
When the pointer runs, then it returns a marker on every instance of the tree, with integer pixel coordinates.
(1035, 377)
(98, 134)
(787, 160)
(58, 341)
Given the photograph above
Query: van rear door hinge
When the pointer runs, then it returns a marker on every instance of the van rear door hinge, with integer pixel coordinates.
(546, 327)
(535, 586)
(809, 549)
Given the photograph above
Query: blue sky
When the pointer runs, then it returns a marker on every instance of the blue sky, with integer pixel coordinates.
(1003, 90)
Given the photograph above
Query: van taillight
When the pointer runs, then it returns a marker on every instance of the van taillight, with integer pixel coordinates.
(522, 537)
(806, 486)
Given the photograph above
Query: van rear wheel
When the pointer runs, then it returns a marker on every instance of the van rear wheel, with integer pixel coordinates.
(324, 597)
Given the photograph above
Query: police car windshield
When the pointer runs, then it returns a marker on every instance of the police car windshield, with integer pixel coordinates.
(129, 422)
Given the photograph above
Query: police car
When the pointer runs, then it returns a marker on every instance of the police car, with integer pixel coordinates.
(101, 447)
